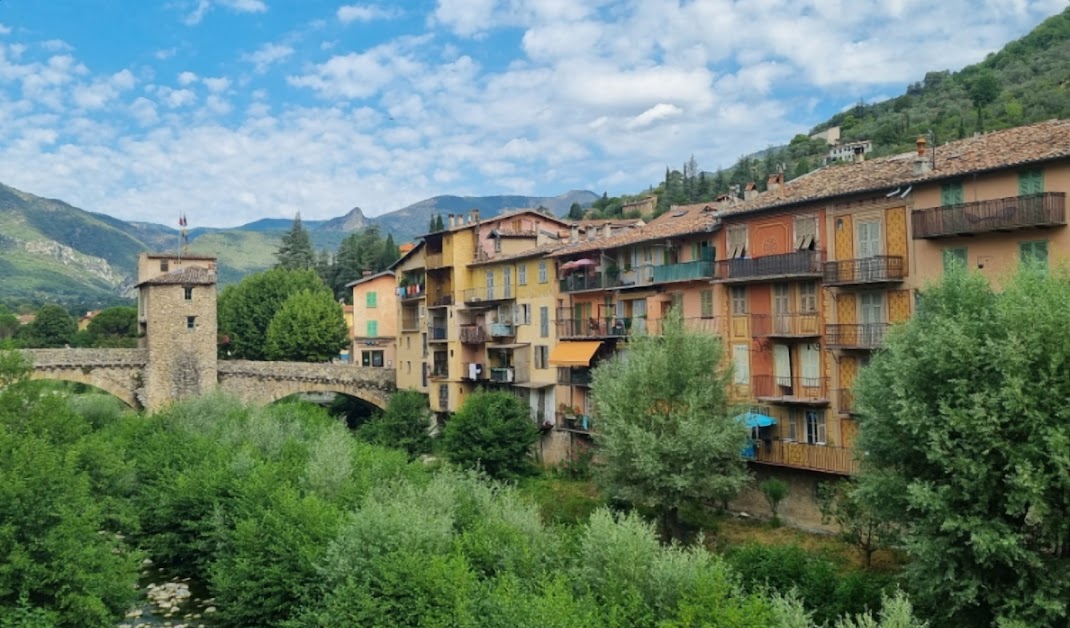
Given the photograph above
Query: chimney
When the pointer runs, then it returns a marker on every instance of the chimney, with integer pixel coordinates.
(574, 233)
(451, 222)
(475, 215)
(922, 164)
(750, 191)
(608, 229)
(776, 180)
(365, 273)
(859, 154)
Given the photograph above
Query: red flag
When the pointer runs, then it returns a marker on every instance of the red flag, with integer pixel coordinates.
(182, 220)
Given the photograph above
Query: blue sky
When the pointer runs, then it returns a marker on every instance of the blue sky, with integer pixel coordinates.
(233, 110)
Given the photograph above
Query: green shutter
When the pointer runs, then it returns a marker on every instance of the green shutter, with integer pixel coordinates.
(707, 304)
(1035, 252)
(954, 256)
(951, 193)
(373, 329)
(1030, 182)
(370, 299)
(694, 251)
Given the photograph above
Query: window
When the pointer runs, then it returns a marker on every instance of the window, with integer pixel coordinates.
(1030, 182)
(188, 293)
(542, 271)
(1035, 253)
(371, 358)
(707, 303)
(808, 297)
(163, 266)
(191, 322)
(737, 241)
(408, 366)
(954, 256)
(542, 356)
(522, 274)
(371, 299)
(740, 365)
(815, 427)
(490, 284)
(951, 193)
(805, 232)
(372, 329)
(408, 342)
(676, 302)
(507, 281)
(525, 314)
(497, 244)
(544, 322)
(739, 300)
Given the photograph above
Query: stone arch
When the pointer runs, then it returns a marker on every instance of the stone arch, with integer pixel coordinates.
(281, 390)
(128, 397)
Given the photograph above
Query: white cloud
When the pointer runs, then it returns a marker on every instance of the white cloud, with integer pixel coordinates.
(268, 55)
(217, 84)
(4, 30)
(187, 78)
(658, 112)
(165, 53)
(238, 6)
(366, 13)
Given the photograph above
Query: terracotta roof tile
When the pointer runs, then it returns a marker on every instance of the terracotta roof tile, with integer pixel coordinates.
(191, 275)
(679, 220)
(538, 251)
(991, 151)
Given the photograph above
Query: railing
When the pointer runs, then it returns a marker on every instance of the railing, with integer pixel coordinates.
(440, 371)
(578, 282)
(637, 276)
(796, 389)
(825, 458)
(785, 325)
(574, 422)
(846, 400)
(442, 300)
(501, 330)
(467, 374)
(444, 402)
(573, 376)
(412, 292)
(1014, 212)
(473, 334)
(436, 333)
(492, 293)
(876, 269)
(797, 264)
(855, 336)
(709, 325)
(502, 375)
(410, 323)
(593, 327)
(685, 271)
(434, 260)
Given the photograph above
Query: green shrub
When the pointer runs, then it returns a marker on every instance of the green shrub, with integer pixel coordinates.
(403, 425)
(492, 431)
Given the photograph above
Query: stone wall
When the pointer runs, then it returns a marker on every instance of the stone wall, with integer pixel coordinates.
(800, 508)
(116, 371)
(265, 382)
(182, 361)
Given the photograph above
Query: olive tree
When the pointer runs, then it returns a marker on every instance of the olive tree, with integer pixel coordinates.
(965, 439)
(666, 434)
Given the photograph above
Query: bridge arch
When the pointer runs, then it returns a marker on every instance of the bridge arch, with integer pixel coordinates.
(118, 372)
(283, 390)
(124, 395)
(267, 382)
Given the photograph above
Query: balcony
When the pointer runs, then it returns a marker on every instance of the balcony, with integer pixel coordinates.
(569, 422)
(440, 371)
(631, 278)
(442, 300)
(473, 334)
(502, 375)
(707, 325)
(574, 376)
(685, 271)
(580, 282)
(410, 323)
(880, 269)
(864, 336)
(846, 400)
(1001, 214)
(801, 390)
(824, 458)
(412, 292)
(796, 265)
(472, 371)
(593, 328)
(436, 334)
(492, 294)
(434, 260)
(502, 330)
(785, 325)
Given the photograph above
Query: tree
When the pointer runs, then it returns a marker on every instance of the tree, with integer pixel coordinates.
(309, 327)
(966, 434)
(859, 526)
(493, 431)
(9, 324)
(665, 432)
(389, 255)
(575, 211)
(984, 89)
(295, 251)
(247, 308)
(775, 491)
(114, 327)
(52, 327)
(403, 425)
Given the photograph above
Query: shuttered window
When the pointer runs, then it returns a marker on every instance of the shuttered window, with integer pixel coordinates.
(954, 257)
(740, 365)
(544, 322)
(371, 299)
(1035, 252)
(707, 303)
(372, 329)
(1030, 182)
(951, 193)
(805, 232)
(737, 241)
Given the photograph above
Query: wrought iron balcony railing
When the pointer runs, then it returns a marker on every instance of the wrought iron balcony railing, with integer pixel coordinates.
(790, 325)
(1001, 214)
(866, 270)
(436, 334)
(684, 271)
(578, 282)
(799, 264)
(573, 376)
(502, 375)
(855, 335)
(593, 327)
(794, 389)
(488, 294)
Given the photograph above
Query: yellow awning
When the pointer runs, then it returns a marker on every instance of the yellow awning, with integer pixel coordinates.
(574, 353)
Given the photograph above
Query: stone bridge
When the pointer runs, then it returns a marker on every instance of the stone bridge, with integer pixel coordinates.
(124, 373)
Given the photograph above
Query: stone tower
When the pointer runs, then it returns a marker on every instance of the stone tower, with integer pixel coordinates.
(177, 320)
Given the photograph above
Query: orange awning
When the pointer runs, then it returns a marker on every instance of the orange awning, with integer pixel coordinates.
(574, 353)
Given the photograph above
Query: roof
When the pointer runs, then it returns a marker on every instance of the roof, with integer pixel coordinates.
(176, 255)
(614, 222)
(678, 221)
(417, 247)
(501, 216)
(370, 278)
(997, 150)
(538, 251)
(191, 275)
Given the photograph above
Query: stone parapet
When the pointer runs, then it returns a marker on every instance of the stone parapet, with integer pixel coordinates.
(86, 358)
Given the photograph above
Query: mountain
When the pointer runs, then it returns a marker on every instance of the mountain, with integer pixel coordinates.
(352, 221)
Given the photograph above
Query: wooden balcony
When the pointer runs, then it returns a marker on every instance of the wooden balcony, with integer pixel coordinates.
(581, 282)
(434, 260)
(1002, 214)
(473, 334)
(863, 336)
(879, 269)
(790, 325)
(811, 391)
(823, 458)
(709, 325)
(796, 265)
(571, 328)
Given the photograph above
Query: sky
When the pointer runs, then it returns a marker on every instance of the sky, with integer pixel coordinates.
(232, 110)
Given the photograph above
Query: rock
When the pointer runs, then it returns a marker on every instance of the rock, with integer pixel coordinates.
(134, 614)
(210, 609)
(146, 562)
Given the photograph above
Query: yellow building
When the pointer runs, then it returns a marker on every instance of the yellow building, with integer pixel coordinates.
(375, 320)
(411, 313)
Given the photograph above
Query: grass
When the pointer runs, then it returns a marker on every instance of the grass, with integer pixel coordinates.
(562, 500)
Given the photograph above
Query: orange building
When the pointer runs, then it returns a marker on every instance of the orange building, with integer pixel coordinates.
(375, 331)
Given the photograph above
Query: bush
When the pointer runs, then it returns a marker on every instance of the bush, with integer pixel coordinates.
(492, 431)
(403, 425)
(775, 490)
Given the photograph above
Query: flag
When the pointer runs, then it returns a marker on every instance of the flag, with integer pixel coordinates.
(182, 220)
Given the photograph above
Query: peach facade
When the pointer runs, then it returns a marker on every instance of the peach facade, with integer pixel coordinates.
(375, 321)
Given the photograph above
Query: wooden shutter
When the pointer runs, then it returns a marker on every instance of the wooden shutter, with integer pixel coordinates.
(373, 329)
(782, 364)
(707, 303)
(740, 364)
(1030, 182)
(371, 298)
